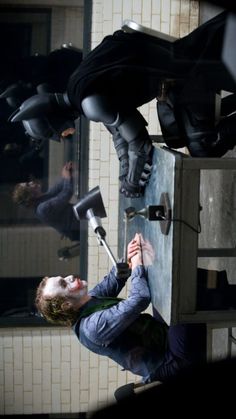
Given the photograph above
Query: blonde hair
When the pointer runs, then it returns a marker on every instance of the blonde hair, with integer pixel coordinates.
(53, 309)
(23, 195)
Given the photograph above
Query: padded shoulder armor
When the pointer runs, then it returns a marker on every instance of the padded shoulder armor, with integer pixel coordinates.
(98, 108)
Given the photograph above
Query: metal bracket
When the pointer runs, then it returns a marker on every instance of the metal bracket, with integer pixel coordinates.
(160, 213)
(165, 224)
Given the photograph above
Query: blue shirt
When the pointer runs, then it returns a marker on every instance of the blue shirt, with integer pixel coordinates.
(106, 332)
(55, 210)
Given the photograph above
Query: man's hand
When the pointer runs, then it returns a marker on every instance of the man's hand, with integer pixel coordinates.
(146, 174)
(134, 252)
(67, 170)
(131, 190)
(136, 190)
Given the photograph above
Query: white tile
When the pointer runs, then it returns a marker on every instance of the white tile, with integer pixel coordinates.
(28, 378)
(8, 377)
(37, 355)
(184, 11)
(93, 382)
(37, 377)
(56, 350)
(46, 397)
(83, 407)
(18, 357)
(65, 353)
(184, 29)
(37, 399)
(46, 354)
(84, 375)
(2, 400)
(112, 374)
(165, 10)
(1, 378)
(84, 396)
(194, 8)
(74, 376)
(8, 355)
(127, 9)
(46, 376)
(117, 6)
(9, 410)
(27, 354)
(18, 398)
(28, 397)
(7, 340)
(56, 398)
(102, 396)
(175, 7)
(103, 373)
(174, 26)
(65, 376)
(107, 10)
(56, 375)
(156, 6)
(84, 354)
(156, 22)
(65, 399)
(27, 339)
(93, 360)
(117, 21)
(75, 398)
(165, 27)
(1, 356)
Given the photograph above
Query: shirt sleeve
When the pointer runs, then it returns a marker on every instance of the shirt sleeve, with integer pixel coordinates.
(54, 204)
(110, 286)
(55, 189)
(102, 327)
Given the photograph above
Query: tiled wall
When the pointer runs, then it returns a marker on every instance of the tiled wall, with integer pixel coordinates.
(47, 370)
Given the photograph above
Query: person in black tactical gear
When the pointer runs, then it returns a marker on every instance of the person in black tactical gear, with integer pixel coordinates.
(127, 70)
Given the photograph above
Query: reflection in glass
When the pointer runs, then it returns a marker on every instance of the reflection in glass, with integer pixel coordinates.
(33, 60)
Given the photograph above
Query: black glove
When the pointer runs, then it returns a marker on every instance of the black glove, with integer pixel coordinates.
(146, 174)
(134, 190)
(131, 190)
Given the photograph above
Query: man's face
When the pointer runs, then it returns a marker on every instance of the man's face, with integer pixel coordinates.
(69, 286)
(34, 186)
(67, 132)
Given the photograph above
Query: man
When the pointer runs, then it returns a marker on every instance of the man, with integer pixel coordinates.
(115, 327)
(125, 71)
(52, 207)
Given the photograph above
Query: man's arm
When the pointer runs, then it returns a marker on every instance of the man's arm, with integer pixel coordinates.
(129, 129)
(54, 189)
(50, 207)
(110, 286)
(104, 326)
(59, 185)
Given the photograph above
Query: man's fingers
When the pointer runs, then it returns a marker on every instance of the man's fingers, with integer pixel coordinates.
(134, 250)
(132, 254)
